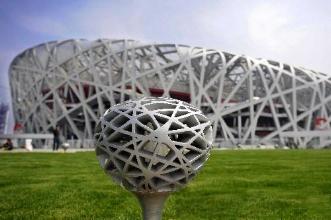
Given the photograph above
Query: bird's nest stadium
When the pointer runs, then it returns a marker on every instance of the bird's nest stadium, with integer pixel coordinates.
(249, 101)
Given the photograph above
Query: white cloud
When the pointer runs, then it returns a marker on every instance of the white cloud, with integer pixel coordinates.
(277, 31)
(268, 25)
(44, 25)
(103, 19)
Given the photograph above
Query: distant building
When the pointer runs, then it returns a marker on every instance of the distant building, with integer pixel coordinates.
(250, 101)
(4, 111)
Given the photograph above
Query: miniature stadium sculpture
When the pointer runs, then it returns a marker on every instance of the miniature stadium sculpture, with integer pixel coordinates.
(153, 146)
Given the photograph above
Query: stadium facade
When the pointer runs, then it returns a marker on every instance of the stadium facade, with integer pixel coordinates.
(249, 101)
(4, 110)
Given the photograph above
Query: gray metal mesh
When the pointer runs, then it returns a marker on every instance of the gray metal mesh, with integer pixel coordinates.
(153, 144)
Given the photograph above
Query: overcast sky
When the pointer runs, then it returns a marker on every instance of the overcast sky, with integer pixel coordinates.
(296, 32)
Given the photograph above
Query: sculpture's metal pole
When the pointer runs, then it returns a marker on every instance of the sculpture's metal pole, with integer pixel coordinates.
(152, 147)
(152, 204)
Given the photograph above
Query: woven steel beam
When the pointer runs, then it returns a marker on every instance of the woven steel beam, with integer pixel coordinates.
(249, 101)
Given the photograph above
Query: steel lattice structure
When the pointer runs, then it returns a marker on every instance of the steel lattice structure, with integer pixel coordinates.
(153, 144)
(249, 101)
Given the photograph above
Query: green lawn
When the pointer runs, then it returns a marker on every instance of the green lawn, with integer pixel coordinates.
(271, 184)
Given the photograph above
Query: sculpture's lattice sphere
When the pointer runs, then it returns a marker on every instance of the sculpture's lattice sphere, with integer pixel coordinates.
(153, 144)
